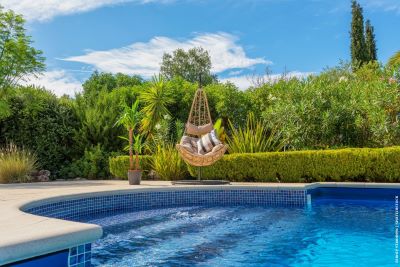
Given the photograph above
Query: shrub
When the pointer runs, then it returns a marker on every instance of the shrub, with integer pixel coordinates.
(356, 164)
(93, 165)
(167, 163)
(41, 122)
(97, 116)
(227, 102)
(119, 166)
(335, 108)
(16, 164)
(254, 137)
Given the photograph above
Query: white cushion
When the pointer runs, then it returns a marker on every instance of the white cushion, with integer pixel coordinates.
(207, 142)
(189, 143)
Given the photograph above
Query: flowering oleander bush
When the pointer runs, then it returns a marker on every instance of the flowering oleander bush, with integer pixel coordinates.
(336, 108)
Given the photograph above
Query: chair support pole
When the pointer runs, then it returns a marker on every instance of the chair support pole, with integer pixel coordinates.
(199, 173)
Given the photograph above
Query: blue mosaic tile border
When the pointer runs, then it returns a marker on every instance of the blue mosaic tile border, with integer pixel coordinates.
(80, 256)
(74, 209)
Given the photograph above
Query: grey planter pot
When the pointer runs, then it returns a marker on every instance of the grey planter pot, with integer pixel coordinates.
(134, 177)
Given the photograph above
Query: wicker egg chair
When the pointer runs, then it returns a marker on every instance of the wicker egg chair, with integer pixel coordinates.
(198, 124)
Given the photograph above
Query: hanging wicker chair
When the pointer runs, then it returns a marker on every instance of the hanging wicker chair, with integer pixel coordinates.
(198, 124)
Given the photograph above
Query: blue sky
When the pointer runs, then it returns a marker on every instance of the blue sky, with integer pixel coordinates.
(243, 36)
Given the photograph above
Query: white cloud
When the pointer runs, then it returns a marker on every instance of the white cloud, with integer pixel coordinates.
(244, 82)
(387, 5)
(145, 58)
(235, 72)
(57, 81)
(42, 10)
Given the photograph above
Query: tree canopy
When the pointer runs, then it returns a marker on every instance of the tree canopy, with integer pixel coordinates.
(370, 43)
(108, 81)
(358, 54)
(362, 44)
(18, 58)
(193, 65)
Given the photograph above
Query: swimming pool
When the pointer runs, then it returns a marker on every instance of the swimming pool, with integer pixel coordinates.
(316, 226)
(332, 232)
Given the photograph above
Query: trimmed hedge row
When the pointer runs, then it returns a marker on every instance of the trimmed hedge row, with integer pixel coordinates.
(355, 164)
(341, 165)
(119, 166)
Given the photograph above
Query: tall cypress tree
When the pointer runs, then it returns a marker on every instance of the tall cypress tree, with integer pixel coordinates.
(358, 51)
(370, 44)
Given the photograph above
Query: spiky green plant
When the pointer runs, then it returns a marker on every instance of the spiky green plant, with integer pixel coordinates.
(155, 99)
(16, 164)
(254, 137)
(167, 163)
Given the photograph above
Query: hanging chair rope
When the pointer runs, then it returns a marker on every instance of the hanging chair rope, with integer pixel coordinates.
(199, 123)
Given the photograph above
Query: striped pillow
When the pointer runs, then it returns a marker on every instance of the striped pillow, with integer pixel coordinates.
(207, 142)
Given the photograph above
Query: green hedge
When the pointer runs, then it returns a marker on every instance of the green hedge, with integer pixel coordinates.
(356, 164)
(119, 166)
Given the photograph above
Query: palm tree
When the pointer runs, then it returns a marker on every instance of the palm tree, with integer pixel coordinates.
(155, 99)
(130, 119)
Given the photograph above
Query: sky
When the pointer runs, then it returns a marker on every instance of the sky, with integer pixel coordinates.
(243, 37)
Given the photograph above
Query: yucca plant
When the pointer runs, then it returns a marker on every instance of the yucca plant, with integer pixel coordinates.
(155, 99)
(16, 164)
(167, 163)
(254, 137)
(130, 119)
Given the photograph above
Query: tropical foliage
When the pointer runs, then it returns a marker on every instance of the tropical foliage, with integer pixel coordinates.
(155, 99)
(130, 119)
(337, 108)
(355, 104)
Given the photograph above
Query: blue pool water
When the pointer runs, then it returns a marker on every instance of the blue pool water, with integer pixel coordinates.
(332, 232)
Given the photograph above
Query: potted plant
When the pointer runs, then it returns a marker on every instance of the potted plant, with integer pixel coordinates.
(130, 119)
(135, 176)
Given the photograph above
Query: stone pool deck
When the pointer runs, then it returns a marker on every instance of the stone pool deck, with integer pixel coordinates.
(23, 235)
